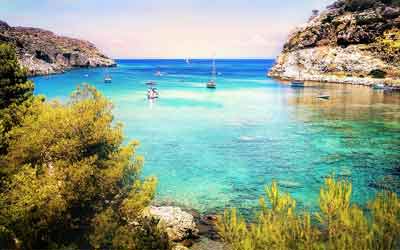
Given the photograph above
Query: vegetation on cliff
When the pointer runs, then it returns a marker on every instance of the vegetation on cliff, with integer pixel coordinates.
(339, 224)
(357, 5)
(66, 178)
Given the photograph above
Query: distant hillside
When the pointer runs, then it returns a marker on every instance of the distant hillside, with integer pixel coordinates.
(43, 52)
(352, 41)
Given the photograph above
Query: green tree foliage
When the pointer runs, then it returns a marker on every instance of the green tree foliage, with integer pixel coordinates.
(359, 5)
(15, 92)
(69, 172)
(14, 85)
(394, 2)
(67, 180)
(377, 73)
(356, 5)
(339, 224)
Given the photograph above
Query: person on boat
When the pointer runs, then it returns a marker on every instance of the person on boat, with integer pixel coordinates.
(152, 93)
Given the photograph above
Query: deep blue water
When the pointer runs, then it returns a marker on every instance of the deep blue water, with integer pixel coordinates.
(216, 148)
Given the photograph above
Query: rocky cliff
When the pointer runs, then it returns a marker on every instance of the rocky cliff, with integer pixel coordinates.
(352, 41)
(43, 52)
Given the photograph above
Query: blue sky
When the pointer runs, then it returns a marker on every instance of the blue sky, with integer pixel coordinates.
(168, 28)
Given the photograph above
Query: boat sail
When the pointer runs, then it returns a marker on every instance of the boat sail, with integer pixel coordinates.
(298, 83)
(212, 83)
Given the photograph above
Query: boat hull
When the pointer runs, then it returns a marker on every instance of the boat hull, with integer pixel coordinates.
(379, 86)
(297, 84)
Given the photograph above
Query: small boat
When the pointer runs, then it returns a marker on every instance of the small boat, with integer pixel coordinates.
(108, 79)
(326, 97)
(151, 83)
(297, 84)
(379, 86)
(152, 93)
(187, 61)
(212, 83)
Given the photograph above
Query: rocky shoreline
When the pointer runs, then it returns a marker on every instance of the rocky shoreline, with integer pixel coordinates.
(42, 52)
(188, 229)
(344, 45)
(321, 78)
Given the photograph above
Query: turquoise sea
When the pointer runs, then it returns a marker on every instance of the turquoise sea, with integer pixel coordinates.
(212, 149)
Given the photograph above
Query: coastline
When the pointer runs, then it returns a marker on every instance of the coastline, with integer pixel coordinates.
(351, 80)
(205, 239)
(68, 69)
(42, 52)
(186, 227)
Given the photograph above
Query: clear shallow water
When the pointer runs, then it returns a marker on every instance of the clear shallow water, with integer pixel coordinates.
(216, 148)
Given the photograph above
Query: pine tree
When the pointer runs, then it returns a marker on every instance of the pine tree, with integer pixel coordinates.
(16, 92)
(67, 179)
(15, 88)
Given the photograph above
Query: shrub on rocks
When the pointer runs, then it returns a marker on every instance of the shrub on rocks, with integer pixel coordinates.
(377, 73)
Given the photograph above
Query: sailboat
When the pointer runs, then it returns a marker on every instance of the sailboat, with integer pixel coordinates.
(158, 72)
(212, 84)
(187, 61)
(108, 78)
(297, 83)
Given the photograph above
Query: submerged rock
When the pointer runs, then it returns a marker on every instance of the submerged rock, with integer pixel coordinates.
(42, 52)
(178, 224)
(341, 45)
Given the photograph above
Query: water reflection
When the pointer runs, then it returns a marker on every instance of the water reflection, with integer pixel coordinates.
(365, 130)
(348, 102)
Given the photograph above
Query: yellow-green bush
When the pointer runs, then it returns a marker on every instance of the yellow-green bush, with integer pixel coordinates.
(67, 180)
(338, 224)
(389, 44)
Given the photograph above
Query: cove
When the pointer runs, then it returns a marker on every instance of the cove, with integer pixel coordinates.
(212, 149)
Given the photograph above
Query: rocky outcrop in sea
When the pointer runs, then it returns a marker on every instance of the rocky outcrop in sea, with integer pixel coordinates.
(352, 41)
(42, 52)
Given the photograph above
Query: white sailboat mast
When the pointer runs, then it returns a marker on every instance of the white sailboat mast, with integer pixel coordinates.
(214, 70)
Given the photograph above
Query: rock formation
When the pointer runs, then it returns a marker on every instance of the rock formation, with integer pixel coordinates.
(178, 224)
(352, 41)
(43, 52)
